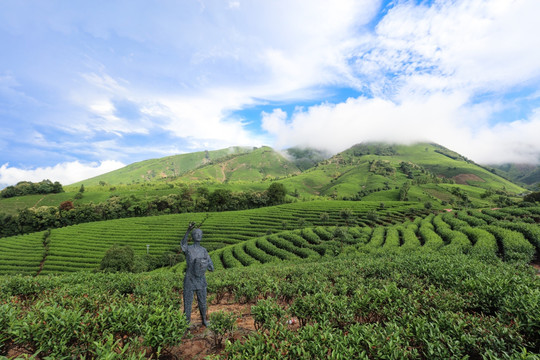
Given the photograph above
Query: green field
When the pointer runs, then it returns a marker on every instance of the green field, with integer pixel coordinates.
(372, 279)
(339, 279)
(81, 247)
(510, 234)
(416, 305)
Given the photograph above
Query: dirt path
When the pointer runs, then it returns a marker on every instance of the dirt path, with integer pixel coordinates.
(223, 176)
(199, 342)
(36, 204)
(537, 267)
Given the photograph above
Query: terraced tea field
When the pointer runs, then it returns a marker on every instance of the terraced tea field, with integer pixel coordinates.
(510, 234)
(81, 247)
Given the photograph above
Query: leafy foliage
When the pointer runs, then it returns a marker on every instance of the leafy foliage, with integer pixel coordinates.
(118, 259)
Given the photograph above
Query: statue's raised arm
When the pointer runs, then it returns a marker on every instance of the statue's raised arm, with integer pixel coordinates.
(184, 243)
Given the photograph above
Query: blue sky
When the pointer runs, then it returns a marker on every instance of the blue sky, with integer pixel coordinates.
(88, 87)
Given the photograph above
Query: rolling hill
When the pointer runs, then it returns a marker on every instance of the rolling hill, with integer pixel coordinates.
(378, 171)
(82, 246)
(256, 165)
(166, 167)
(381, 277)
(526, 174)
(371, 172)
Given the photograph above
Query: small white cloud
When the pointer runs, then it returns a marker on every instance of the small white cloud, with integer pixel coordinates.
(66, 173)
(275, 122)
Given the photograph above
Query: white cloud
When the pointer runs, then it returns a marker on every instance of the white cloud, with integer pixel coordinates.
(425, 65)
(65, 173)
(442, 118)
(187, 66)
(262, 50)
(234, 4)
(472, 45)
(516, 141)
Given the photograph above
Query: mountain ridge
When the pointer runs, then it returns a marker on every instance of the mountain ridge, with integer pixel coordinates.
(422, 172)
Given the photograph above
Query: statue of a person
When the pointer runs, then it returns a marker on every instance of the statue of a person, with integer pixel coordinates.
(197, 261)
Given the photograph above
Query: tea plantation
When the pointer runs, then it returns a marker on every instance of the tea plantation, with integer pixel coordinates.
(81, 247)
(337, 280)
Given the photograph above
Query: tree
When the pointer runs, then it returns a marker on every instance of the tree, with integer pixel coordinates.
(324, 217)
(532, 197)
(118, 259)
(220, 199)
(404, 191)
(276, 193)
(45, 187)
(8, 192)
(57, 188)
(81, 189)
(346, 214)
(66, 205)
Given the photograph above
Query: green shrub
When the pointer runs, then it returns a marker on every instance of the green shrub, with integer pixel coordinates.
(377, 237)
(392, 240)
(118, 259)
(252, 250)
(229, 261)
(513, 244)
(267, 313)
(484, 243)
(430, 238)
(530, 231)
(222, 324)
(410, 240)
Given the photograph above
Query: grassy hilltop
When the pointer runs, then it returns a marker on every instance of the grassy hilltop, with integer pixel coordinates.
(380, 171)
(374, 172)
(170, 166)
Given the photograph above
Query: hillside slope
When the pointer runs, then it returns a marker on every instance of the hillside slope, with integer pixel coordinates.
(379, 171)
(521, 173)
(170, 166)
(81, 247)
(374, 171)
(259, 164)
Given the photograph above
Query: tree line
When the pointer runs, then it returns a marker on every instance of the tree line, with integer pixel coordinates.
(116, 207)
(30, 188)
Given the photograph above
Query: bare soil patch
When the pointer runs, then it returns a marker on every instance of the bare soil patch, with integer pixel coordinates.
(464, 179)
(199, 341)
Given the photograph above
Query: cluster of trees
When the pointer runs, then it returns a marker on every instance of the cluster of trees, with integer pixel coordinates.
(532, 197)
(123, 259)
(404, 191)
(29, 188)
(377, 149)
(381, 167)
(116, 207)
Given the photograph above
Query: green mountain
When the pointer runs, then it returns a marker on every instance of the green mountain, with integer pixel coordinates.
(420, 172)
(231, 164)
(527, 174)
(163, 168)
(253, 166)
